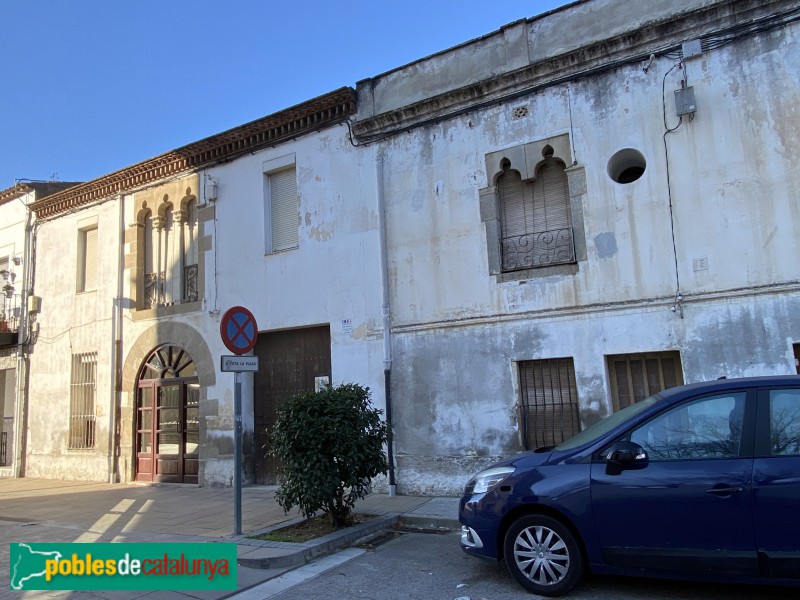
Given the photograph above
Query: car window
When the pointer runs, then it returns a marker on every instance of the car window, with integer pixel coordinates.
(605, 425)
(707, 428)
(784, 416)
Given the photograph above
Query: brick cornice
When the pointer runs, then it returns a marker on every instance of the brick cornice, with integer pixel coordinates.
(298, 120)
(12, 193)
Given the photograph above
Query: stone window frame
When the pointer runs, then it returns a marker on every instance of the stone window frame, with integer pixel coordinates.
(526, 158)
(138, 251)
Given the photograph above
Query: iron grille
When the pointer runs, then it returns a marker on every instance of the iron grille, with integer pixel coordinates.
(82, 395)
(3, 449)
(539, 249)
(190, 283)
(549, 401)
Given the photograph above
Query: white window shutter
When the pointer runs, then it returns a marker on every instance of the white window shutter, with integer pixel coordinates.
(90, 260)
(284, 208)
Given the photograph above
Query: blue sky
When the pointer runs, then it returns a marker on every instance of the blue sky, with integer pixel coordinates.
(88, 86)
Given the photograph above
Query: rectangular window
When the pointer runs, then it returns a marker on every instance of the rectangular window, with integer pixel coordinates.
(549, 406)
(282, 216)
(82, 401)
(87, 260)
(634, 377)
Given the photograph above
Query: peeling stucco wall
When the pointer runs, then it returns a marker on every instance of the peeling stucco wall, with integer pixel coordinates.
(730, 191)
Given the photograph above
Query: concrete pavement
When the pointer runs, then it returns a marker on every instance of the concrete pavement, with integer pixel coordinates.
(36, 510)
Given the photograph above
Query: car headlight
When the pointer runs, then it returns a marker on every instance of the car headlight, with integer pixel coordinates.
(487, 480)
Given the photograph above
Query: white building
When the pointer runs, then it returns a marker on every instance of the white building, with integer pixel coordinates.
(583, 208)
(15, 226)
(137, 268)
(516, 236)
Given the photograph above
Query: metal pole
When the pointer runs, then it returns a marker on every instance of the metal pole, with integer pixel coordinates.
(237, 462)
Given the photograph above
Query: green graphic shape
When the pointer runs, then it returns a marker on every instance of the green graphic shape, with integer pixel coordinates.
(122, 566)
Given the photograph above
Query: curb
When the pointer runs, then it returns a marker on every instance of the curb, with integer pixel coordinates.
(430, 523)
(278, 555)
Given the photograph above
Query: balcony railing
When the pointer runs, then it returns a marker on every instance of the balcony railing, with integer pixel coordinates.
(10, 314)
(540, 249)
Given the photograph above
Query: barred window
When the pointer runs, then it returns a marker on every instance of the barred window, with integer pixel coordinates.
(82, 401)
(549, 401)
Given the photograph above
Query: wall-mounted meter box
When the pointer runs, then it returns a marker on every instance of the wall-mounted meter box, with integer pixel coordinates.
(684, 101)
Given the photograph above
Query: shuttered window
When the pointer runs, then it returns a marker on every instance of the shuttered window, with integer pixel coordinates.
(634, 377)
(87, 278)
(549, 403)
(284, 216)
(535, 218)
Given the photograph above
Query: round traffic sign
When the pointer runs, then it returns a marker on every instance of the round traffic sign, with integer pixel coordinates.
(238, 330)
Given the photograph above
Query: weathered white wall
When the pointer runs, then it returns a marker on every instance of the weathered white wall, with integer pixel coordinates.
(512, 47)
(70, 323)
(733, 177)
(333, 275)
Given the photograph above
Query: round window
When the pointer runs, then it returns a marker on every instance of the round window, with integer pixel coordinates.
(626, 166)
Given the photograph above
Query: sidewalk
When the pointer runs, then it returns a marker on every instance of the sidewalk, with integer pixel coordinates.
(36, 510)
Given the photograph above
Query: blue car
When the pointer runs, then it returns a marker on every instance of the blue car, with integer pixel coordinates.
(699, 482)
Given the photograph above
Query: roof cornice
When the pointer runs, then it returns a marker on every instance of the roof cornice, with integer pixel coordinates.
(293, 122)
(12, 193)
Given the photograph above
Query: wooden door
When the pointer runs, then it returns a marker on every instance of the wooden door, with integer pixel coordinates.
(167, 431)
(288, 362)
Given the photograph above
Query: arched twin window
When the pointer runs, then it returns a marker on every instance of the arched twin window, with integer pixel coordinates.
(535, 221)
(170, 256)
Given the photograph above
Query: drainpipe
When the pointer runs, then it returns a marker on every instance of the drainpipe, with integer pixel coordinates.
(386, 311)
(116, 354)
(23, 338)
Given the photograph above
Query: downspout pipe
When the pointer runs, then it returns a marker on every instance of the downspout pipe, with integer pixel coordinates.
(23, 339)
(116, 353)
(387, 314)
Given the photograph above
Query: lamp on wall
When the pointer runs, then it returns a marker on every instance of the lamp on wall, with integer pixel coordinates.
(4, 274)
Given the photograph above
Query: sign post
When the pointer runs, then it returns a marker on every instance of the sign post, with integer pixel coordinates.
(239, 332)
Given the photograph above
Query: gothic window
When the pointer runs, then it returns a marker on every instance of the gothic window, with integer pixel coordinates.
(532, 210)
(168, 256)
(535, 223)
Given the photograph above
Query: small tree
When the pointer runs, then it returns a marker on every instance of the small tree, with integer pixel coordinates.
(330, 445)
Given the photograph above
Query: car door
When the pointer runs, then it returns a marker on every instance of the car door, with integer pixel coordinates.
(690, 508)
(776, 481)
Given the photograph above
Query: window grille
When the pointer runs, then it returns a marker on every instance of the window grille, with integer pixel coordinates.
(82, 401)
(190, 283)
(535, 218)
(549, 408)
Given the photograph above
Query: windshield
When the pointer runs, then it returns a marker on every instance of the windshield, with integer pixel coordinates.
(603, 426)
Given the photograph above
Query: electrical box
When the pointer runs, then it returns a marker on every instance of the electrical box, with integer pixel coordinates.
(691, 48)
(34, 304)
(684, 101)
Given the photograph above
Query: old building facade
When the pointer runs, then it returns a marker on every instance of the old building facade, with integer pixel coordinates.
(584, 208)
(505, 241)
(137, 268)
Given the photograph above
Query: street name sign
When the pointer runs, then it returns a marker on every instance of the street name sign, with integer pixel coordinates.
(238, 364)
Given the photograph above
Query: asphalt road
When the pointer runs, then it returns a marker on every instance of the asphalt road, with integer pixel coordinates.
(432, 566)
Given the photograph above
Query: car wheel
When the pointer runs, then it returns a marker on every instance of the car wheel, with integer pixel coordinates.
(543, 555)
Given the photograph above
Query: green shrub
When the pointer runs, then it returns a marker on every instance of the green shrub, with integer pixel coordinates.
(330, 446)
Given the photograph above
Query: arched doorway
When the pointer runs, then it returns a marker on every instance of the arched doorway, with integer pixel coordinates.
(168, 417)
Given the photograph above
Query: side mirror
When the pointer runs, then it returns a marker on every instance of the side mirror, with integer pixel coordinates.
(625, 456)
